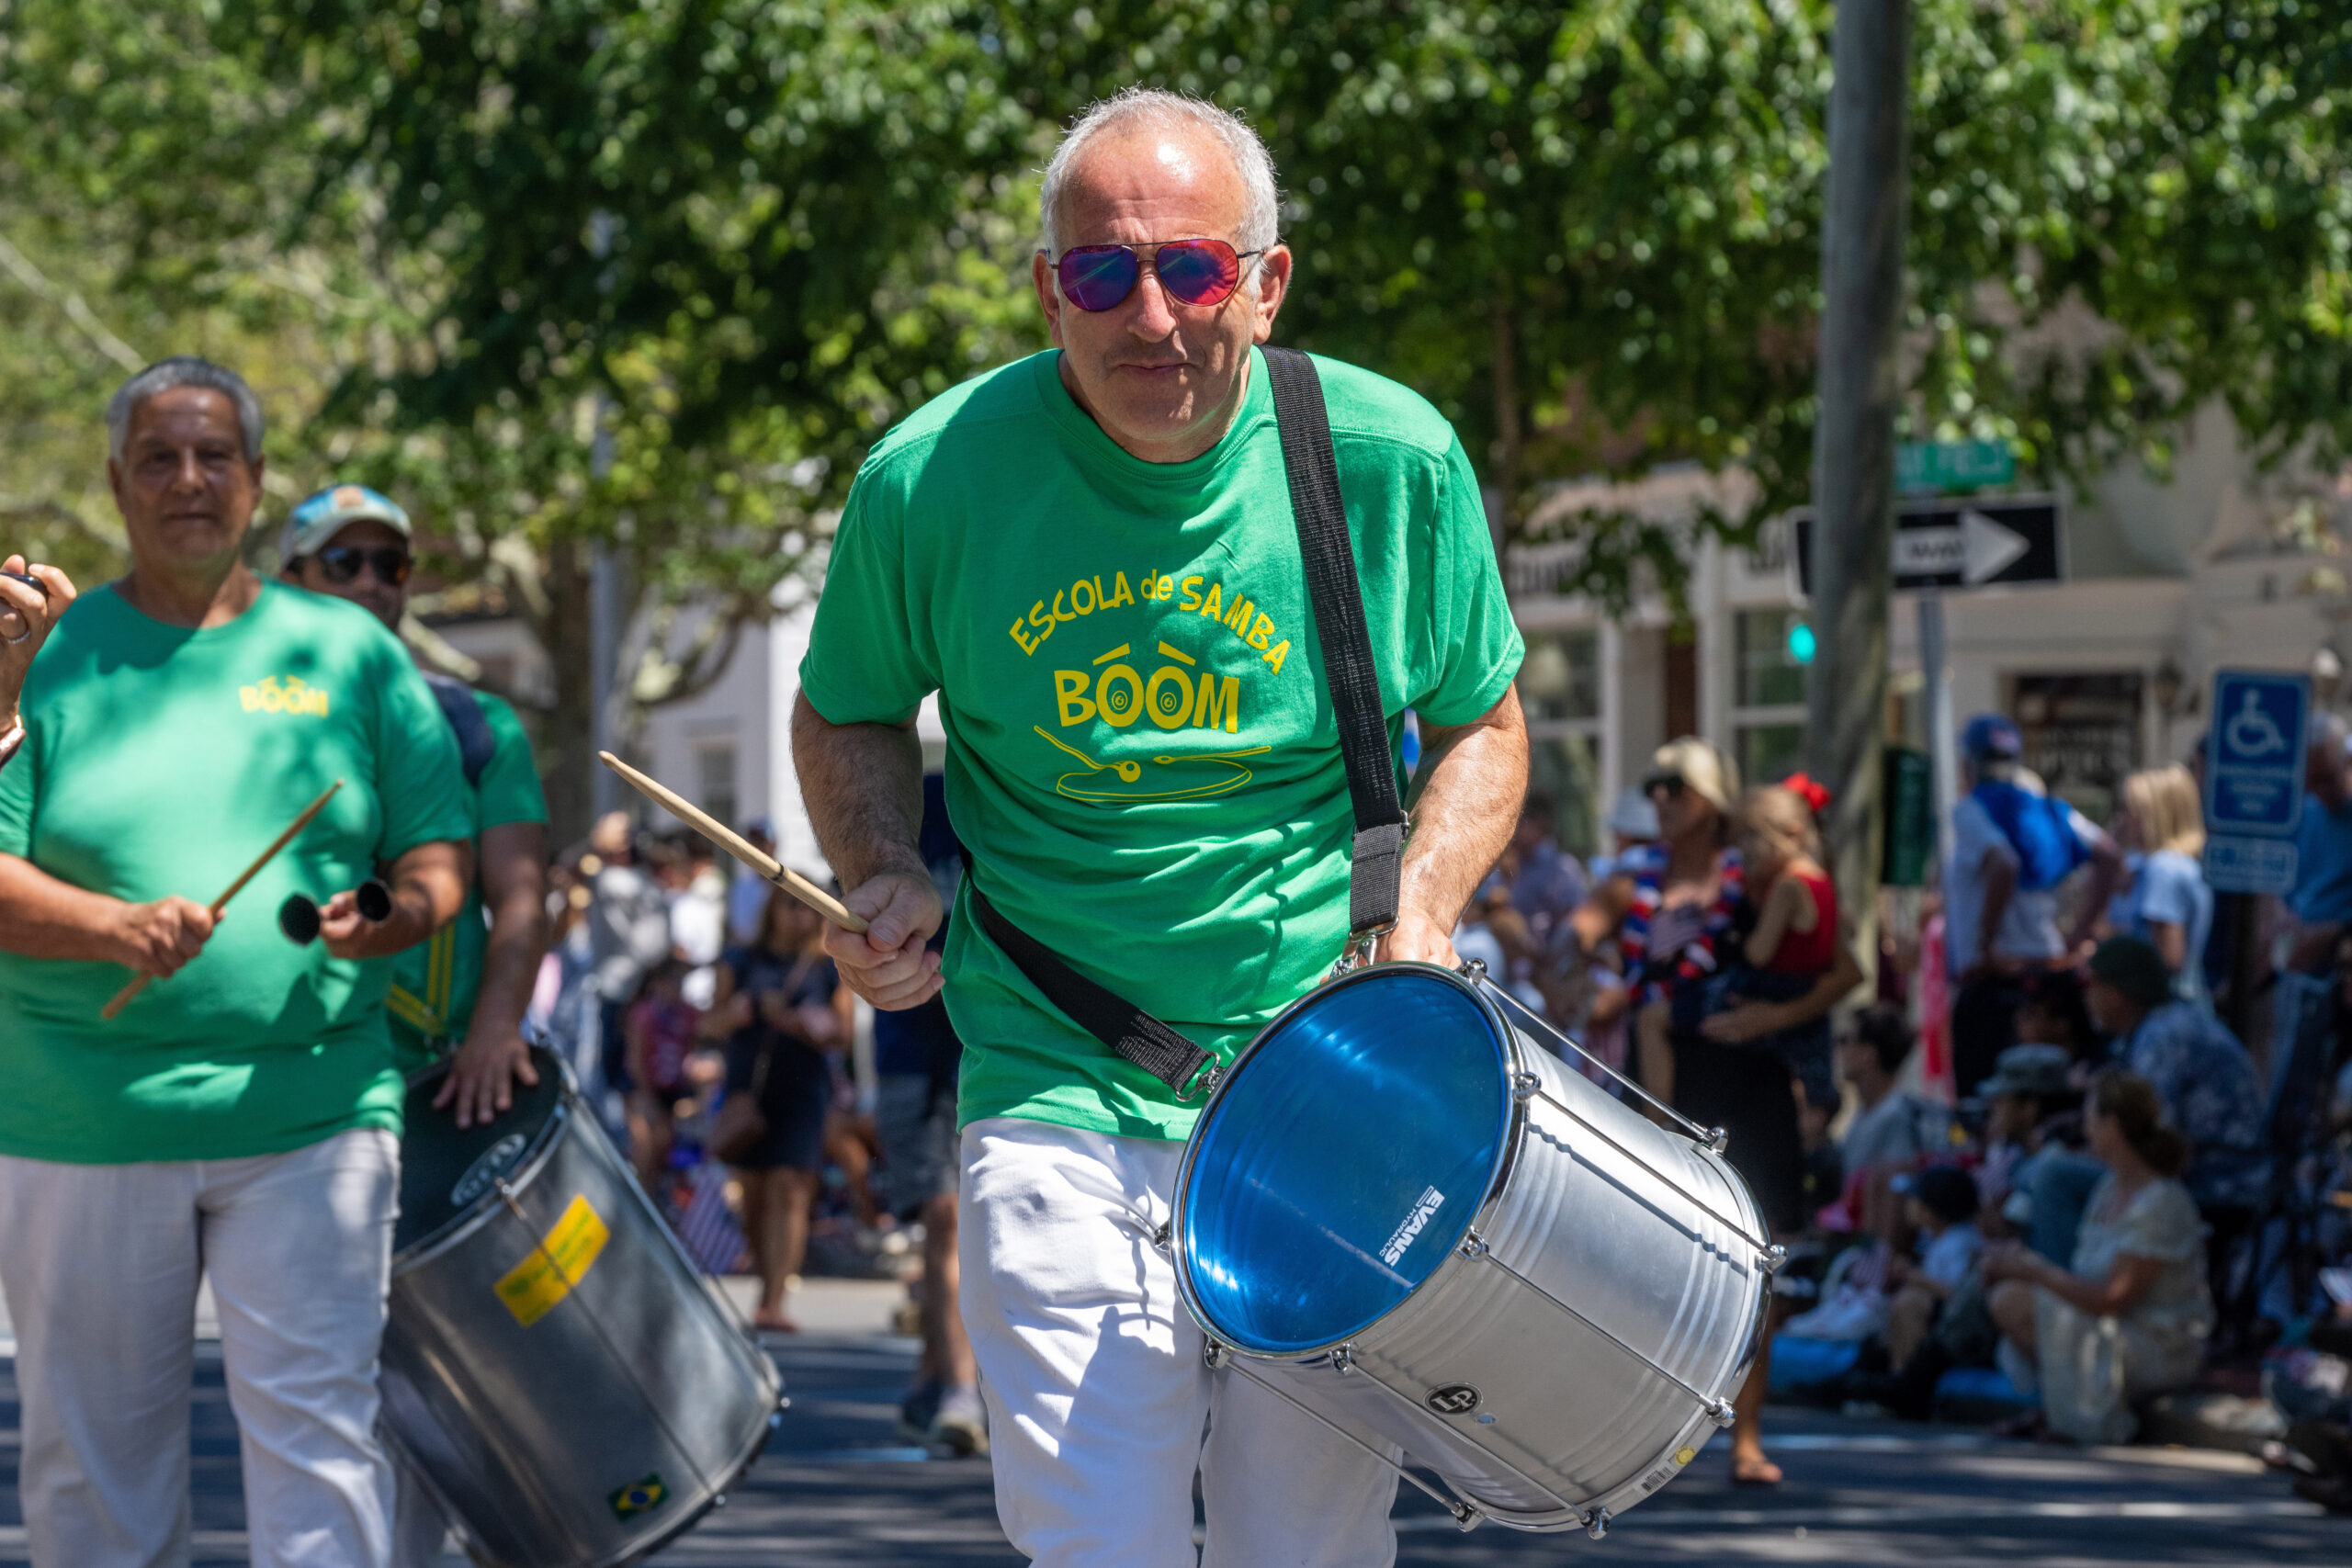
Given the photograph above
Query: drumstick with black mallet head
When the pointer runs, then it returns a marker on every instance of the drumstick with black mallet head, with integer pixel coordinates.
(139, 982)
(769, 868)
(300, 919)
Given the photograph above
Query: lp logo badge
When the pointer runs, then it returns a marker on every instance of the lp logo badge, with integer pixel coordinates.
(2254, 779)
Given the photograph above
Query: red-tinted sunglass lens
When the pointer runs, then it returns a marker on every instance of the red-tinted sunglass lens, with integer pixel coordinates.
(1095, 277)
(1197, 272)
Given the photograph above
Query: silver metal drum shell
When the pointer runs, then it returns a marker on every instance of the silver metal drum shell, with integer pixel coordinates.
(526, 1433)
(1620, 1234)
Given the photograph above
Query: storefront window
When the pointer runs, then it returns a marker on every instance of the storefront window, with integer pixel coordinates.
(1564, 769)
(1561, 677)
(1559, 685)
(1770, 752)
(1769, 675)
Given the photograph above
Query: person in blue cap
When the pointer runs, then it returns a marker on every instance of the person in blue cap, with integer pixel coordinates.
(2012, 847)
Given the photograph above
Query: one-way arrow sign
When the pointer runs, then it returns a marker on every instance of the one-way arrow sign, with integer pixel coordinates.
(1961, 543)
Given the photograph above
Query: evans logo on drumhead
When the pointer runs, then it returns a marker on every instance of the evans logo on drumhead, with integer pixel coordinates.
(486, 1170)
(1454, 1399)
(1423, 1207)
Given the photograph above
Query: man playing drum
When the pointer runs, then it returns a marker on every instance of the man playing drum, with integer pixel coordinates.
(1089, 537)
(239, 1120)
(468, 987)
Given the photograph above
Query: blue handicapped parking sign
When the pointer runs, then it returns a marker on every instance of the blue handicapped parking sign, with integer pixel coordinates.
(2253, 758)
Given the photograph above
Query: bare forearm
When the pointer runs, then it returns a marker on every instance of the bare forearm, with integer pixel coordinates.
(1466, 799)
(862, 786)
(510, 966)
(43, 918)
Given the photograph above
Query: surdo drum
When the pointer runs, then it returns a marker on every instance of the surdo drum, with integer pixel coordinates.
(555, 1370)
(1403, 1213)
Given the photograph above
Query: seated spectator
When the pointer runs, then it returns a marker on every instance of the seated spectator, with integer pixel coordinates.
(2203, 1076)
(660, 1031)
(1891, 1129)
(2051, 1012)
(2128, 1320)
(1940, 1204)
(2028, 1102)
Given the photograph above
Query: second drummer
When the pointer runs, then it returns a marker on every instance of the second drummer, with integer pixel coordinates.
(468, 988)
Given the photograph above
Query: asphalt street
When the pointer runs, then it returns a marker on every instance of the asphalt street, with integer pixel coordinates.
(840, 1487)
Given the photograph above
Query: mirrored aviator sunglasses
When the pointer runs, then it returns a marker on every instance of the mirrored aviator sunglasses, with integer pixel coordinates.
(1194, 271)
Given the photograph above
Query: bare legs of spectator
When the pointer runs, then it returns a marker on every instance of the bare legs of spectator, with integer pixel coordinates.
(849, 1145)
(1653, 1028)
(1909, 1315)
(2012, 1305)
(1750, 1465)
(777, 1205)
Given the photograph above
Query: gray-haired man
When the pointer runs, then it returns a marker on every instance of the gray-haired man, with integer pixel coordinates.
(239, 1121)
(1085, 539)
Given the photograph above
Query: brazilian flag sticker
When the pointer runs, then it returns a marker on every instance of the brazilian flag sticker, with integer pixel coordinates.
(638, 1497)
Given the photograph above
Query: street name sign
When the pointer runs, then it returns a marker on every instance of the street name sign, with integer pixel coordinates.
(1961, 543)
(1928, 468)
(2254, 779)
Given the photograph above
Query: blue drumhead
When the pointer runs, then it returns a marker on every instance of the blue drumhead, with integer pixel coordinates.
(1344, 1160)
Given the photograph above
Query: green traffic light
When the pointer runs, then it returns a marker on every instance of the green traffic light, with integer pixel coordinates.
(1801, 642)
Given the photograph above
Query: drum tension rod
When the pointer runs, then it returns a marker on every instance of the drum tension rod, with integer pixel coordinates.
(1474, 1246)
(1715, 1138)
(1343, 1361)
(1766, 1251)
(1465, 1514)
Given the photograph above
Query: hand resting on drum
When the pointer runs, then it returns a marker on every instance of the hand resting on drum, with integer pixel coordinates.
(888, 965)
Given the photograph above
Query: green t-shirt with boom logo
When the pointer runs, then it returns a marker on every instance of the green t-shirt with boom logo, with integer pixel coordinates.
(1141, 750)
(161, 760)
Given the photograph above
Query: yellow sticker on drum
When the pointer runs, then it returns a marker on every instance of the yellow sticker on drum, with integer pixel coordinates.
(1684, 1456)
(533, 1286)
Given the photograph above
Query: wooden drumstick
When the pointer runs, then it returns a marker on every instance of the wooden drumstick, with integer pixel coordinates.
(767, 866)
(139, 982)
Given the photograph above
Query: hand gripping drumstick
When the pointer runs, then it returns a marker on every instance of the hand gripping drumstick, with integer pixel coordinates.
(769, 868)
(139, 982)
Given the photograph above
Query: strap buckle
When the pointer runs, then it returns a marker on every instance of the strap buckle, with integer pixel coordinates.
(1202, 1083)
(1357, 954)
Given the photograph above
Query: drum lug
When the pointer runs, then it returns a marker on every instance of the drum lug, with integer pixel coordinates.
(1344, 1360)
(1718, 1139)
(1473, 1246)
(1774, 1255)
(1162, 1237)
(1595, 1523)
(1721, 1413)
(1463, 1514)
(1473, 969)
(1213, 1355)
(1524, 1084)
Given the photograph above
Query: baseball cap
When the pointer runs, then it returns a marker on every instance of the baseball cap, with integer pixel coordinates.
(2028, 1069)
(2135, 968)
(326, 514)
(1991, 735)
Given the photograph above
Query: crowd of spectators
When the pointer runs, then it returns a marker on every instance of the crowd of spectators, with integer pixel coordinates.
(2119, 1168)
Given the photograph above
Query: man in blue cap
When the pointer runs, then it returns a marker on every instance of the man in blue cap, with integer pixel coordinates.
(2012, 847)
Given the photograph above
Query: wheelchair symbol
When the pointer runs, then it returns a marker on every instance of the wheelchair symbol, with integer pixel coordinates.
(2252, 732)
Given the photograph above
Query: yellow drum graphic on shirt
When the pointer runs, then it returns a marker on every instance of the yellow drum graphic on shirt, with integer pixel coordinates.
(533, 1286)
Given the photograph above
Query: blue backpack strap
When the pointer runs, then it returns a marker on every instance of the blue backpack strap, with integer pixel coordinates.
(476, 744)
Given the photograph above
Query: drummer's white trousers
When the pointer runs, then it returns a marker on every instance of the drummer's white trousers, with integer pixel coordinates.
(101, 1264)
(1097, 1396)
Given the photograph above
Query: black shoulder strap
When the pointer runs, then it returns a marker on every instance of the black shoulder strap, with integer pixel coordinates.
(1348, 667)
(462, 708)
(1376, 861)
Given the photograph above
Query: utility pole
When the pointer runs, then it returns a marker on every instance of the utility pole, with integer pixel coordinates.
(1853, 441)
(604, 575)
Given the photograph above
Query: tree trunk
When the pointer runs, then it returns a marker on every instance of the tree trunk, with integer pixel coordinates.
(567, 755)
(1853, 481)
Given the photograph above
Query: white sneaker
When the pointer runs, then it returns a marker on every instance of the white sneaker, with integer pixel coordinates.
(961, 1423)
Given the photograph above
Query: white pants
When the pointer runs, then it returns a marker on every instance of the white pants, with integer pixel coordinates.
(1096, 1390)
(101, 1264)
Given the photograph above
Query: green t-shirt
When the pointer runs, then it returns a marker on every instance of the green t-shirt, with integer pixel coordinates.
(436, 984)
(1141, 750)
(160, 761)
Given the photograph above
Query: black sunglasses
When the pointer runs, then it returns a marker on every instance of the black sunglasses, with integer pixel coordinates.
(1673, 784)
(340, 563)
